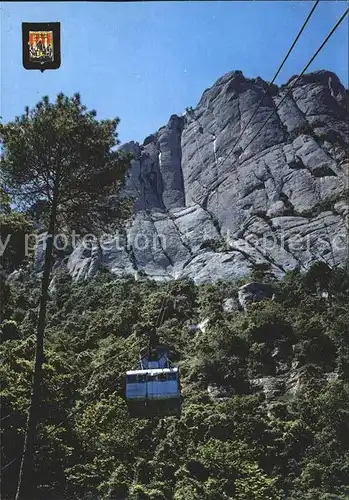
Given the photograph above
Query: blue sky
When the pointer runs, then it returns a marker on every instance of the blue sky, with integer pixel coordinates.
(143, 61)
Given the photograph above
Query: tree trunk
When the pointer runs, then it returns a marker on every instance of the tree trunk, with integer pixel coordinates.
(26, 487)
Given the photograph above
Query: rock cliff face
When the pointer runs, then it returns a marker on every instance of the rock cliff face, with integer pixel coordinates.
(207, 206)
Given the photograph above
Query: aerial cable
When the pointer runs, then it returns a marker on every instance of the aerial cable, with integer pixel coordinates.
(191, 112)
(55, 427)
(301, 74)
(164, 300)
(71, 413)
(98, 367)
(296, 81)
(160, 316)
(273, 80)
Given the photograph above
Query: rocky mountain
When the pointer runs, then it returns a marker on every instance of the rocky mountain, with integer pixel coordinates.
(208, 206)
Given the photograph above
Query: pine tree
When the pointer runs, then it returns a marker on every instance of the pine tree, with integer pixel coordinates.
(60, 155)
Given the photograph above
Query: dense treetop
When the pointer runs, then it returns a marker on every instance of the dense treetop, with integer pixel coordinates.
(242, 447)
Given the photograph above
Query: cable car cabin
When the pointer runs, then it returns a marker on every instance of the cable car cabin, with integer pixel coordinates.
(154, 389)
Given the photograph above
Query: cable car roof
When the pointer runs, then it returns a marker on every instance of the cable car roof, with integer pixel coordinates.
(153, 371)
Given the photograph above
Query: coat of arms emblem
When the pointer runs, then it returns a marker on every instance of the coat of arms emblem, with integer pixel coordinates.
(41, 46)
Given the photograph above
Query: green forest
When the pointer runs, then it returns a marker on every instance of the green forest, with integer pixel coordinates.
(234, 440)
(239, 447)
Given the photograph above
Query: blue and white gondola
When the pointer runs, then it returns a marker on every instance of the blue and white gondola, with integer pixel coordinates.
(154, 388)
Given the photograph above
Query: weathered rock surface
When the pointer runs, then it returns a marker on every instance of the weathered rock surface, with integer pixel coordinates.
(291, 383)
(254, 292)
(231, 305)
(208, 206)
(219, 392)
(200, 327)
(272, 387)
(17, 275)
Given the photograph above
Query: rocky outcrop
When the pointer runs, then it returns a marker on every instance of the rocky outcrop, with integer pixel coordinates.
(254, 292)
(219, 392)
(16, 275)
(291, 383)
(272, 387)
(231, 305)
(209, 204)
(200, 327)
(156, 177)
